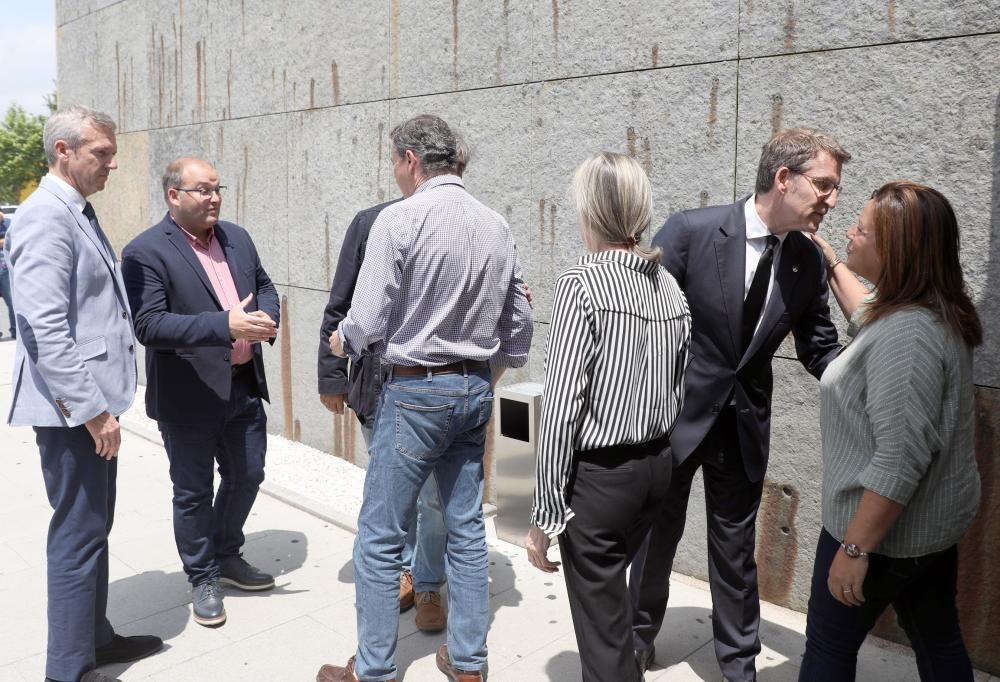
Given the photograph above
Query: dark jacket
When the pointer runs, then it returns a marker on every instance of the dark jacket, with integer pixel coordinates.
(362, 380)
(182, 324)
(705, 250)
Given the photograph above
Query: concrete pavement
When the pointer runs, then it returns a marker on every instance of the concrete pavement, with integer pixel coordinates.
(303, 537)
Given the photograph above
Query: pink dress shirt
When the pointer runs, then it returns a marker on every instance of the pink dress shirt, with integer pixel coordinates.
(213, 260)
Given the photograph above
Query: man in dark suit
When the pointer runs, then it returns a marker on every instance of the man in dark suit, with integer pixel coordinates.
(202, 304)
(74, 375)
(751, 276)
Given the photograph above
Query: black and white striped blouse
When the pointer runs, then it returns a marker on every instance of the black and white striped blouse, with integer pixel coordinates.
(614, 368)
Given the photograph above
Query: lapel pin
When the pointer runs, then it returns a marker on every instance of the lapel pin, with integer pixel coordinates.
(795, 268)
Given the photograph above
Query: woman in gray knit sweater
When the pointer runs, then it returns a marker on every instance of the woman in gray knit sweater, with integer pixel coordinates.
(900, 483)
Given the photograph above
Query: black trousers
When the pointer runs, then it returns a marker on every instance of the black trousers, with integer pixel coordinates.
(731, 502)
(615, 493)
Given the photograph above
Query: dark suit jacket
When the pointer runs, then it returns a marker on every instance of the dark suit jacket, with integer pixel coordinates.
(182, 324)
(361, 383)
(705, 250)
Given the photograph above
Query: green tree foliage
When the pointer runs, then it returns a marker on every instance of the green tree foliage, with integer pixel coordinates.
(22, 158)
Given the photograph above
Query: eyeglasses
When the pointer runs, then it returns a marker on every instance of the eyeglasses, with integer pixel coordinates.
(203, 192)
(824, 186)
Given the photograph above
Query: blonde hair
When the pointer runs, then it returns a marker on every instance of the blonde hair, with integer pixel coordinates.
(614, 201)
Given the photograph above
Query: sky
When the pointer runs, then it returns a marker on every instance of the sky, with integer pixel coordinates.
(27, 53)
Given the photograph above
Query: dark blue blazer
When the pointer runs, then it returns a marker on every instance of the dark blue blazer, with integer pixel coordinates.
(182, 324)
(705, 250)
(362, 384)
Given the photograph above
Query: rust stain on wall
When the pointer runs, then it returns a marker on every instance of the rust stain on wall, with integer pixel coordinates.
(552, 225)
(713, 107)
(541, 218)
(777, 112)
(394, 47)
(118, 79)
(555, 27)
(630, 138)
(229, 84)
(312, 93)
(243, 18)
(222, 140)
(326, 247)
(286, 367)
(778, 544)
(656, 55)
(790, 28)
(197, 81)
(297, 432)
(454, 42)
(891, 18)
(703, 198)
(647, 157)
(335, 82)
(749, 6)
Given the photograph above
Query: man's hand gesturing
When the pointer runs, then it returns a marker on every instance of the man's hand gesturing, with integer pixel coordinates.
(253, 327)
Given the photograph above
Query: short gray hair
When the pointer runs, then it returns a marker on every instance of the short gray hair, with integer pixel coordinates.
(173, 174)
(794, 148)
(68, 125)
(431, 140)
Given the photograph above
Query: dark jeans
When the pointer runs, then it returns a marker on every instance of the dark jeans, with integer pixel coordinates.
(205, 532)
(81, 489)
(921, 590)
(614, 494)
(8, 297)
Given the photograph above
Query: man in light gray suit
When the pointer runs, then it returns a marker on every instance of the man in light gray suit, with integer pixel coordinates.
(74, 374)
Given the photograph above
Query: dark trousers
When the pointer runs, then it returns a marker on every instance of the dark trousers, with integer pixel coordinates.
(81, 489)
(731, 502)
(8, 297)
(921, 590)
(615, 492)
(205, 532)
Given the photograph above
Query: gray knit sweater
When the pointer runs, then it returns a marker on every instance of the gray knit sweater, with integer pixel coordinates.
(897, 419)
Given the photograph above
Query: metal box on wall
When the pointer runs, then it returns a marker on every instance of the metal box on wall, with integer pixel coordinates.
(520, 408)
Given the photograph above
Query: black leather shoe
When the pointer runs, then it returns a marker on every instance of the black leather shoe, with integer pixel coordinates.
(128, 649)
(207, 604)
(644, 658)
(237, 572)
(94, 676)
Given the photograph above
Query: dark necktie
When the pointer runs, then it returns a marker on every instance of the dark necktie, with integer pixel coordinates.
(88, 212)
(754, 303)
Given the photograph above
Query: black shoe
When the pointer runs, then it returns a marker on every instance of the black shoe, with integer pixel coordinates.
(128, 649)
(94, 676)
(237, 572)
(207, 604)
(644, 658)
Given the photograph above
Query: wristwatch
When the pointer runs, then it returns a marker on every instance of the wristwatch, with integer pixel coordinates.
(852, 550)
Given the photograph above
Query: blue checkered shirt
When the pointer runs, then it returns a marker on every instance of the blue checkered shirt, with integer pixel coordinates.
(440, 282)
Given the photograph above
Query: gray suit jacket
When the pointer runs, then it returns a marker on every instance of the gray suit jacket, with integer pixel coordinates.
(75, 354)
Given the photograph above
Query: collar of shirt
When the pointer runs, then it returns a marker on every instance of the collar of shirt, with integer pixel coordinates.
(626, 258)
(74, 196)
(439, 180)
(756, 229)
(194, 240)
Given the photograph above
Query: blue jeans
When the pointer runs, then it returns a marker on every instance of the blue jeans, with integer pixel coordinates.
(8, 297)
(208, 532)
(424, 550)
(434, 423)
(921, 590)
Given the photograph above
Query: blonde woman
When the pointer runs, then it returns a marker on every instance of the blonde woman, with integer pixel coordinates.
(614, 382)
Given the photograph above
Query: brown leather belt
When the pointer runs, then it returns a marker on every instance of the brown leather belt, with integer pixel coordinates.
(451, 368)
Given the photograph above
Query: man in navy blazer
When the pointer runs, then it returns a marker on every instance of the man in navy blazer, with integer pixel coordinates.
(202, 304)
(751, 276)
(74, 374)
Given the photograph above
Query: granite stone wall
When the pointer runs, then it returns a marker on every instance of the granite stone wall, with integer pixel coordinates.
(292, 101)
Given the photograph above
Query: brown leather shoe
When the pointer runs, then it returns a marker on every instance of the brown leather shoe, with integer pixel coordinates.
(334, 673)
(405, 590)
(431, 616)
(453, 673)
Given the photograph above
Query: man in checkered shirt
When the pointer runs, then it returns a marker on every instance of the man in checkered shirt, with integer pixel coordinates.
(441, 298)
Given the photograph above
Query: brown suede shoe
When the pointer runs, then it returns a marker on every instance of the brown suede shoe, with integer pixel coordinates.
(405, 590)
(450, 671)
(334, 673)
(431, 616)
